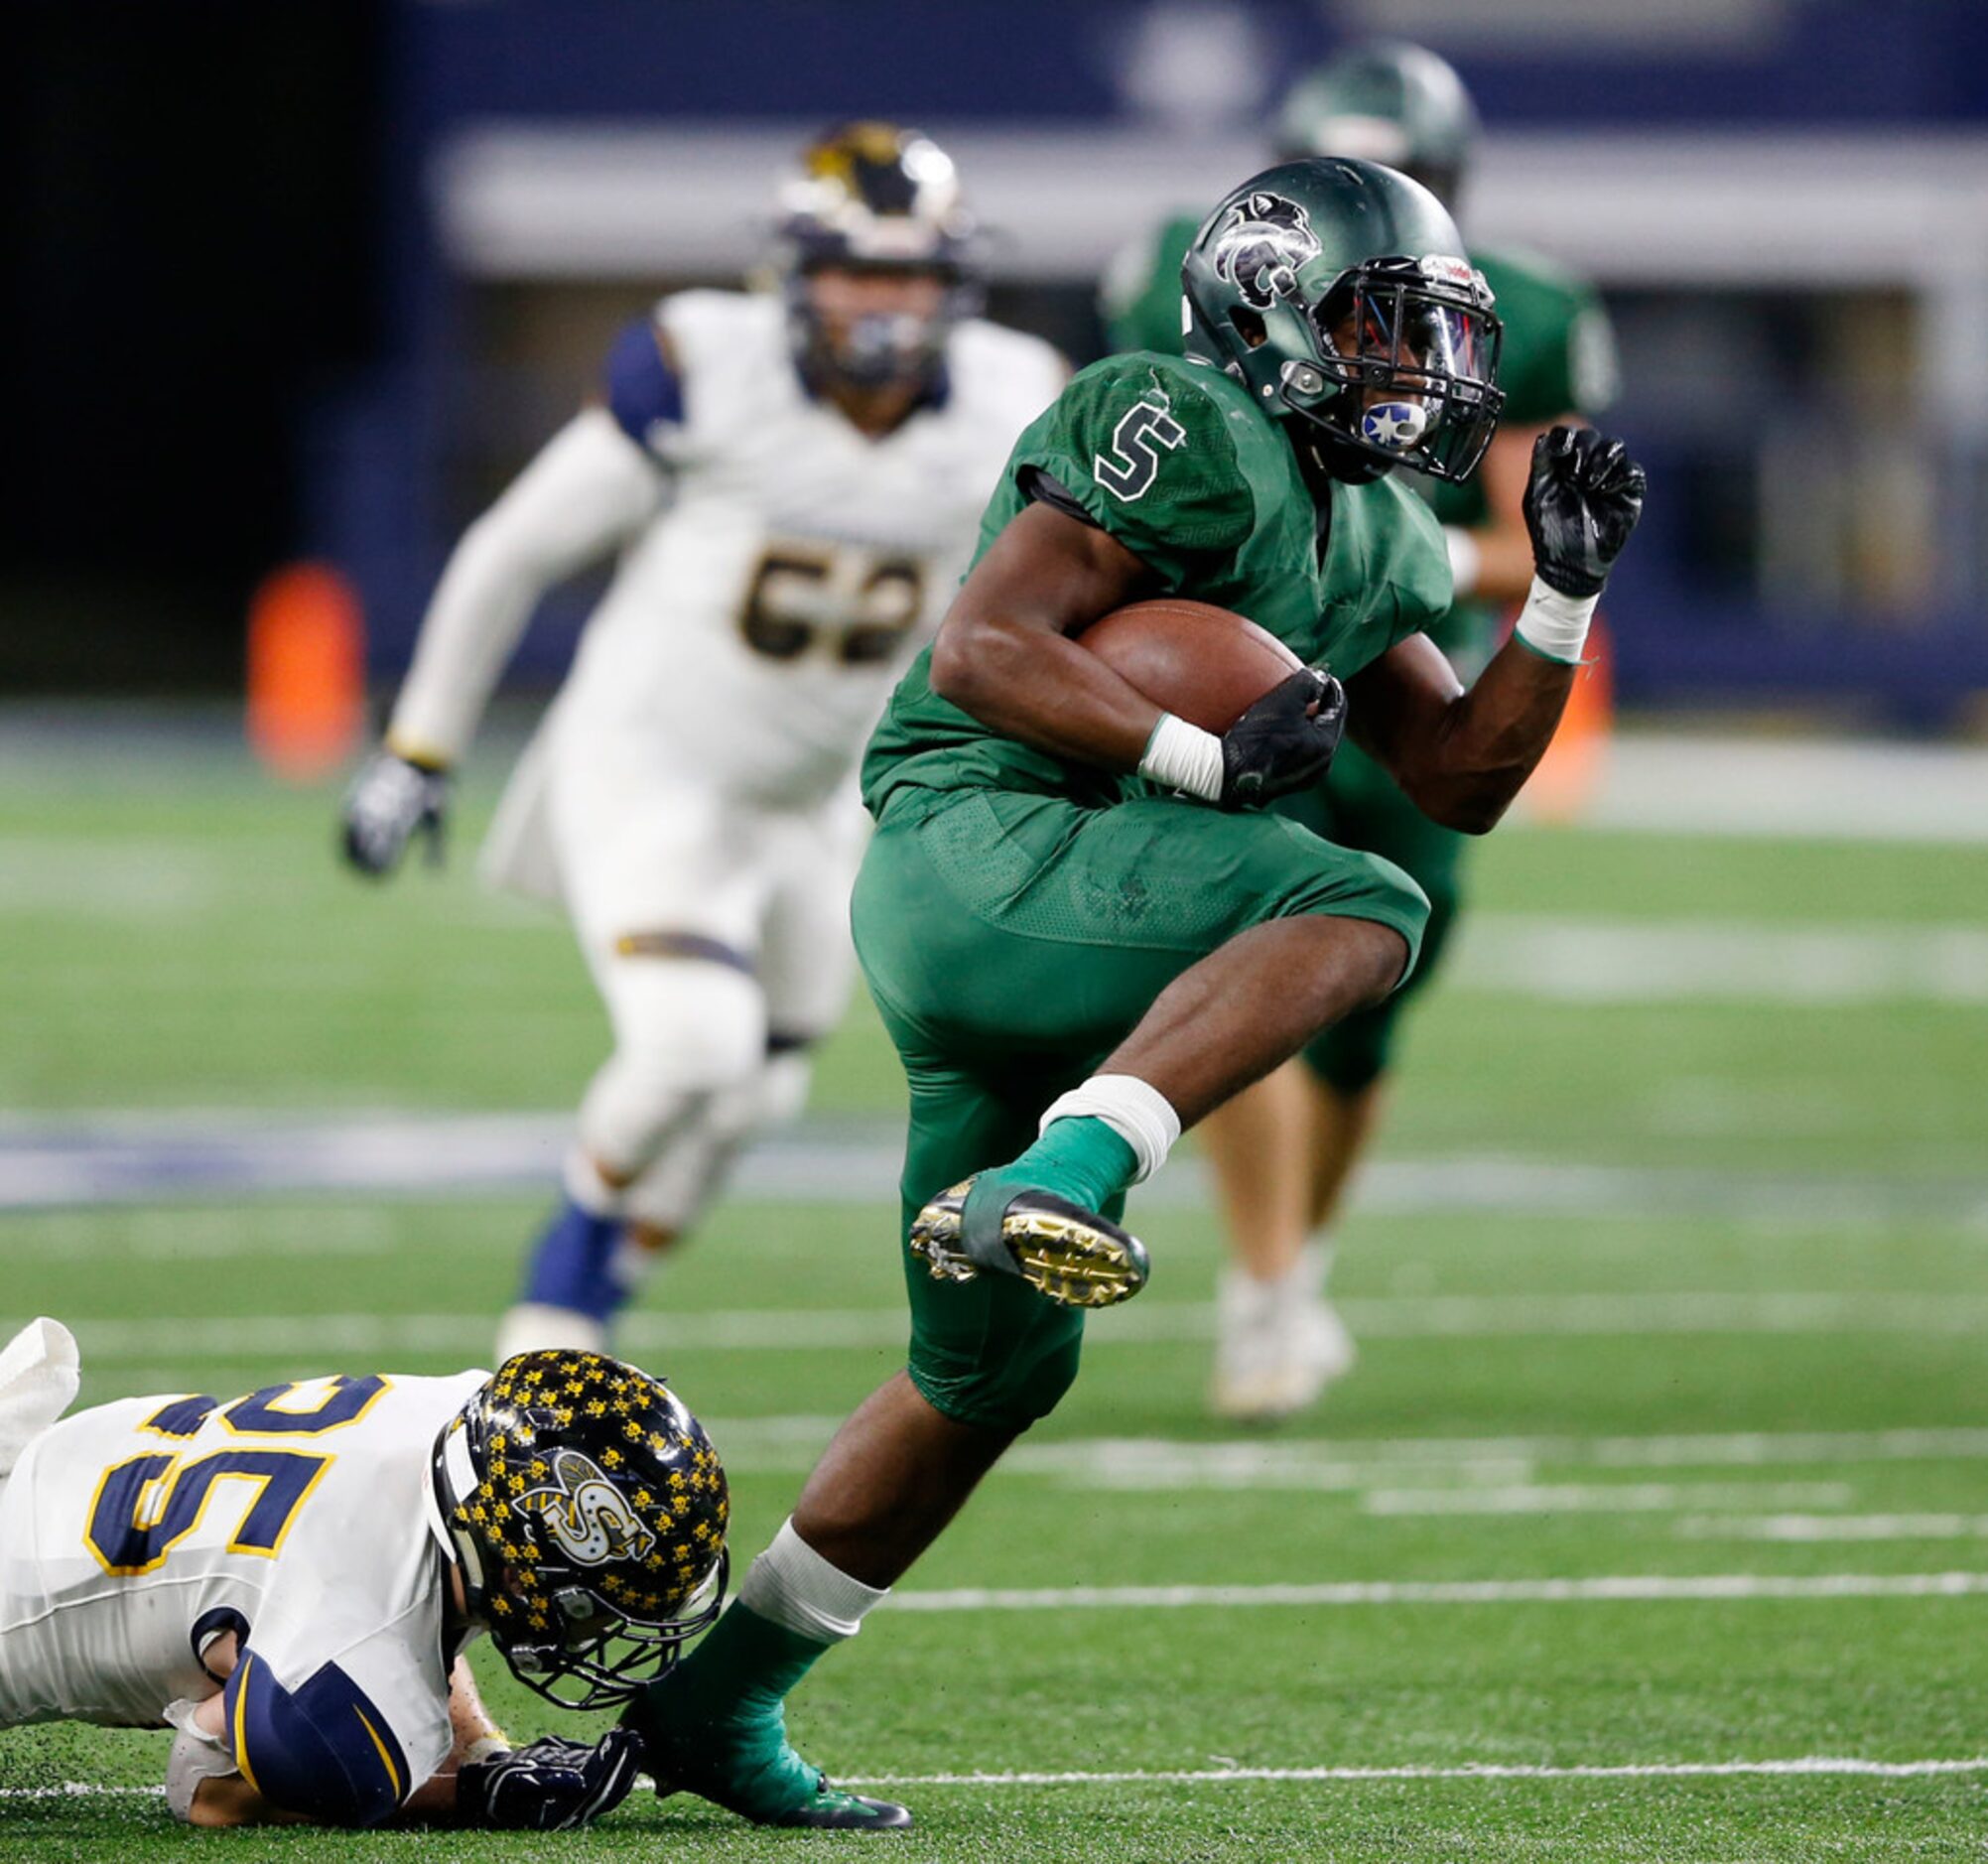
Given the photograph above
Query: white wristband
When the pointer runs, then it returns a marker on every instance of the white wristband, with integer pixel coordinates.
(1182, 756)
(1555, 624)
(1466, 558)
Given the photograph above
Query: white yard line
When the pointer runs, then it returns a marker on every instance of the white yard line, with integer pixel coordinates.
(1808, 1767)
(1603, 1497)
(255, 1338)
(1805, 1529)
(1805, 1767)
(1593, 1590)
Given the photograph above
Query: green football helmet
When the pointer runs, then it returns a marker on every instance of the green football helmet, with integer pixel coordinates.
(1387, 101)
(1336, 291)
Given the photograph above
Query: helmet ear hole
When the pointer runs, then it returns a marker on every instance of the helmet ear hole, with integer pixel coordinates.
(1248, 324)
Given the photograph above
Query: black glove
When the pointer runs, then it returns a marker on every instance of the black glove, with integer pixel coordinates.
(392, 800)
(1582, 501)
(1284, 742)
(551, 1786)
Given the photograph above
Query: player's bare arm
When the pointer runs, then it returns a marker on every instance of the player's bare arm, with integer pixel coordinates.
(1004, 655)
(1463, 756)
(1003, 652)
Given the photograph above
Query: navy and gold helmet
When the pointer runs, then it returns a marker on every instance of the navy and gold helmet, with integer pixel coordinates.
(587, 1510)
(871, 197)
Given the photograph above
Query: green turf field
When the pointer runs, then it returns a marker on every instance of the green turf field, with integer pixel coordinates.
(1667, 1453)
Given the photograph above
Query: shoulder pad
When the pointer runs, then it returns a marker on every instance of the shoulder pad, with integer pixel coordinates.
(644, 391)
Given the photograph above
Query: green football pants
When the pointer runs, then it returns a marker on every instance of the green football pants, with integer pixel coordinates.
(1011, 941)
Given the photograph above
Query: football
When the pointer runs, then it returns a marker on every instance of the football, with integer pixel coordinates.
(1204, 664)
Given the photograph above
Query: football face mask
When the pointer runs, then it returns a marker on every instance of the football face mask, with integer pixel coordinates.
(1406, 366)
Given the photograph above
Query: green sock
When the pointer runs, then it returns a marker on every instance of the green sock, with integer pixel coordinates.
(1080, 1158)
(715, 1724)
(741, 1672)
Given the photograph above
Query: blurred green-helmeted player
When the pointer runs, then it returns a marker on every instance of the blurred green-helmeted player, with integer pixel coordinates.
(1284, 1150)
(1082, 931)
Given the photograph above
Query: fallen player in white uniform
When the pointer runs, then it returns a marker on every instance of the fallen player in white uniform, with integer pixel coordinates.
(289, 1579)
(793, 482)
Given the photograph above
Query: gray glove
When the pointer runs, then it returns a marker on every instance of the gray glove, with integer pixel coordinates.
(392, 800)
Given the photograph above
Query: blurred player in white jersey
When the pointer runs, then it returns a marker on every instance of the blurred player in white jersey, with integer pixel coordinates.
(289, 1579)
(792, 481)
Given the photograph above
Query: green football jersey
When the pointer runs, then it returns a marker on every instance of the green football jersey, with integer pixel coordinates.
(1557, 359)
(1177, 461)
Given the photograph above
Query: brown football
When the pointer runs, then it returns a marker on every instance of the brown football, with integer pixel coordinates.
(1204, 664)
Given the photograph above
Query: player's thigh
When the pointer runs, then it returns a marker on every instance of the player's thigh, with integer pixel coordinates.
(806, 962)
(652, 867)
(1002, 924)
(989, 1352)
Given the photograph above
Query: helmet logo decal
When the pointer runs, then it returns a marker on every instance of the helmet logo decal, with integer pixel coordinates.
(1260, 245)
(587, 1516)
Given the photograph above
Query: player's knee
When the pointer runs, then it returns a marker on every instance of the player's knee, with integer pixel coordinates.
(682, 1041)
(773, 1094)
(687, 1029)
(1393, 913)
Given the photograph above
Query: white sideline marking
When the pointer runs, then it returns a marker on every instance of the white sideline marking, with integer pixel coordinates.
(1637, 1587)
(134, 1157)
(1457, 1316)
(1602, 1498)
(1616, 961)
(1248, 1462)
(1682, 784)
(1805, 1529)
(1809, 1765)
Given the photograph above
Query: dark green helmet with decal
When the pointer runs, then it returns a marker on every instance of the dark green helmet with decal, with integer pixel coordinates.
(1387, 101)
(1336, 291)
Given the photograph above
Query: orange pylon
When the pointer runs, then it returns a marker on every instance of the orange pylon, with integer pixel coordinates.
(306, 672)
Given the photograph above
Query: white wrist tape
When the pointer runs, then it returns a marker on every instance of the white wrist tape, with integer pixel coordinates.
(1554, 624)
(1136, 1111)
(1466, 558)
(1182, 756)
(792, 1584)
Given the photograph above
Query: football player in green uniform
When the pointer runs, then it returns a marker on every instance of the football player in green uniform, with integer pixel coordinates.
(1284, 1150)
(1081, 930)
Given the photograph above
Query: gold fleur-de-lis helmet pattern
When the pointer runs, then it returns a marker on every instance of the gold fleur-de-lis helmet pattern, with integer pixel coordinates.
(599, 1517)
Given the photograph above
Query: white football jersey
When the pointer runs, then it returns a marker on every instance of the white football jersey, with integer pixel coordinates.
(777, 570)
(300, 1517)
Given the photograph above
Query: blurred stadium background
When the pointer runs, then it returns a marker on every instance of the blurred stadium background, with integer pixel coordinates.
(1672, 1270)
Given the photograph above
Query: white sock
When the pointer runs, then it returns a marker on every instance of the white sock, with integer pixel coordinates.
(791, 1584)
(1138, 1112)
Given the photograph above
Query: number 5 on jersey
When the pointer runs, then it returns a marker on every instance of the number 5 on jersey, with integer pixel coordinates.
(1130, 468)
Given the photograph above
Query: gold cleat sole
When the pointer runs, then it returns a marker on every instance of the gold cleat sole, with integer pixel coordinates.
(1068, 1255)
